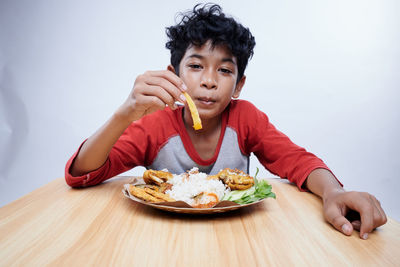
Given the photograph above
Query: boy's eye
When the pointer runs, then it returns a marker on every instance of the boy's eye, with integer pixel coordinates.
(225, 70)
(194, 66)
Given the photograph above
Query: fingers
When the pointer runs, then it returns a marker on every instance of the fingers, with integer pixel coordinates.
(371, 213)
(152, 91)
(335, 216)
(170, 76)
(161, 94)
(168, 81)
(150, 104)
(356, 225)
(381, 216)
(363, 212)
(164, 85)
(367, 219)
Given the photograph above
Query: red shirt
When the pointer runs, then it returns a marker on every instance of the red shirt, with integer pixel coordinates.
(159, 140)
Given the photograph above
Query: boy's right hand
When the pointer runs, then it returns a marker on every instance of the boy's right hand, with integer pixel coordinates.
(152, 91)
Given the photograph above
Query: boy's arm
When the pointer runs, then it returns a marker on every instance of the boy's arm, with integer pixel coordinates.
(337, 203)
(152, 91)
(95, 150)
(277, 153)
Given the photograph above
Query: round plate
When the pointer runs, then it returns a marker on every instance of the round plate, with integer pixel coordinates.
(183, 207)
(200, 211)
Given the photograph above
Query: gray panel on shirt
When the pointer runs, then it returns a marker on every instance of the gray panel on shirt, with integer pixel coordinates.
(173, 156)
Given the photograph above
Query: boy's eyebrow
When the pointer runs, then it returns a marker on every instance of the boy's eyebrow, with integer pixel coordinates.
(196, 56)
(227, 59)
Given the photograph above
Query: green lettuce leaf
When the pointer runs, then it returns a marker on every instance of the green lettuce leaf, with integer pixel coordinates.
(261, 189)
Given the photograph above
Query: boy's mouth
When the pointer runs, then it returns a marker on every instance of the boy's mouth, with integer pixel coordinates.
(206, 100)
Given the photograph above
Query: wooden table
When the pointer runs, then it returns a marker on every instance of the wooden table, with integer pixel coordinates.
(57, 225)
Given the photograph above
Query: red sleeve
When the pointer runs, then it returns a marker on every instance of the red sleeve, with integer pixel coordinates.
(137, 146)
(275, 151)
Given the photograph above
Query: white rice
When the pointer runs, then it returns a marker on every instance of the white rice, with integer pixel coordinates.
(185, 188)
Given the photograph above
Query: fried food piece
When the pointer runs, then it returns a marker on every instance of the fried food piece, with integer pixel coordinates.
(164, 187)
(140, 193)
(193, 112)
(156, 177)
(162, 196)
(149, 195)
(236, 179)
(239, 186)
(151, 186)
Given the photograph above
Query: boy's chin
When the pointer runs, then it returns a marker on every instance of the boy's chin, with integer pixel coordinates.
(208, 114)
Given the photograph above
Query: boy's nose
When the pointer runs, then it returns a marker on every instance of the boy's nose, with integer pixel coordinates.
(208, 80)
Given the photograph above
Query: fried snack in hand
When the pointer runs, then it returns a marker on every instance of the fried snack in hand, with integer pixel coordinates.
(156, 177)
(236, 179)
(193, 112)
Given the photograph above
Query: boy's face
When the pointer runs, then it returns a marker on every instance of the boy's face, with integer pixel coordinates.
(210, 74)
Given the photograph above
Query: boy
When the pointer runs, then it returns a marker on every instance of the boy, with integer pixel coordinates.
(209, 53)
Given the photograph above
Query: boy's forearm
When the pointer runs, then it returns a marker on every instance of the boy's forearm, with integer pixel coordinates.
(95, 150)
(322, 182)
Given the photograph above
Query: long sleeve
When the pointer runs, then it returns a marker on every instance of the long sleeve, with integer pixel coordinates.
(137, 146)
(275, 151)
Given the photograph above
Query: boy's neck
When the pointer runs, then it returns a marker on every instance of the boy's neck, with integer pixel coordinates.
(208, 126)
(205, 141)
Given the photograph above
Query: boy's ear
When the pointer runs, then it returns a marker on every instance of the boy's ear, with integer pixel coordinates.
(239, 87)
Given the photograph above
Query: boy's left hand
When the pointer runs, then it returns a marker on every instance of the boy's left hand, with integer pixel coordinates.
(340, 204)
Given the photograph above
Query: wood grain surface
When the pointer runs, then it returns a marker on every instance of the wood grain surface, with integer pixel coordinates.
(60, 226)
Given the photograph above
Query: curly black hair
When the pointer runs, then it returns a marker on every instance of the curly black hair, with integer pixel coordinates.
(208, 23)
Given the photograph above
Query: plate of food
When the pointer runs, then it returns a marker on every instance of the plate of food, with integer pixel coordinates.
(195, 192)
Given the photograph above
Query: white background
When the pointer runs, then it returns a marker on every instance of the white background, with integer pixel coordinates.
(325, 72)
